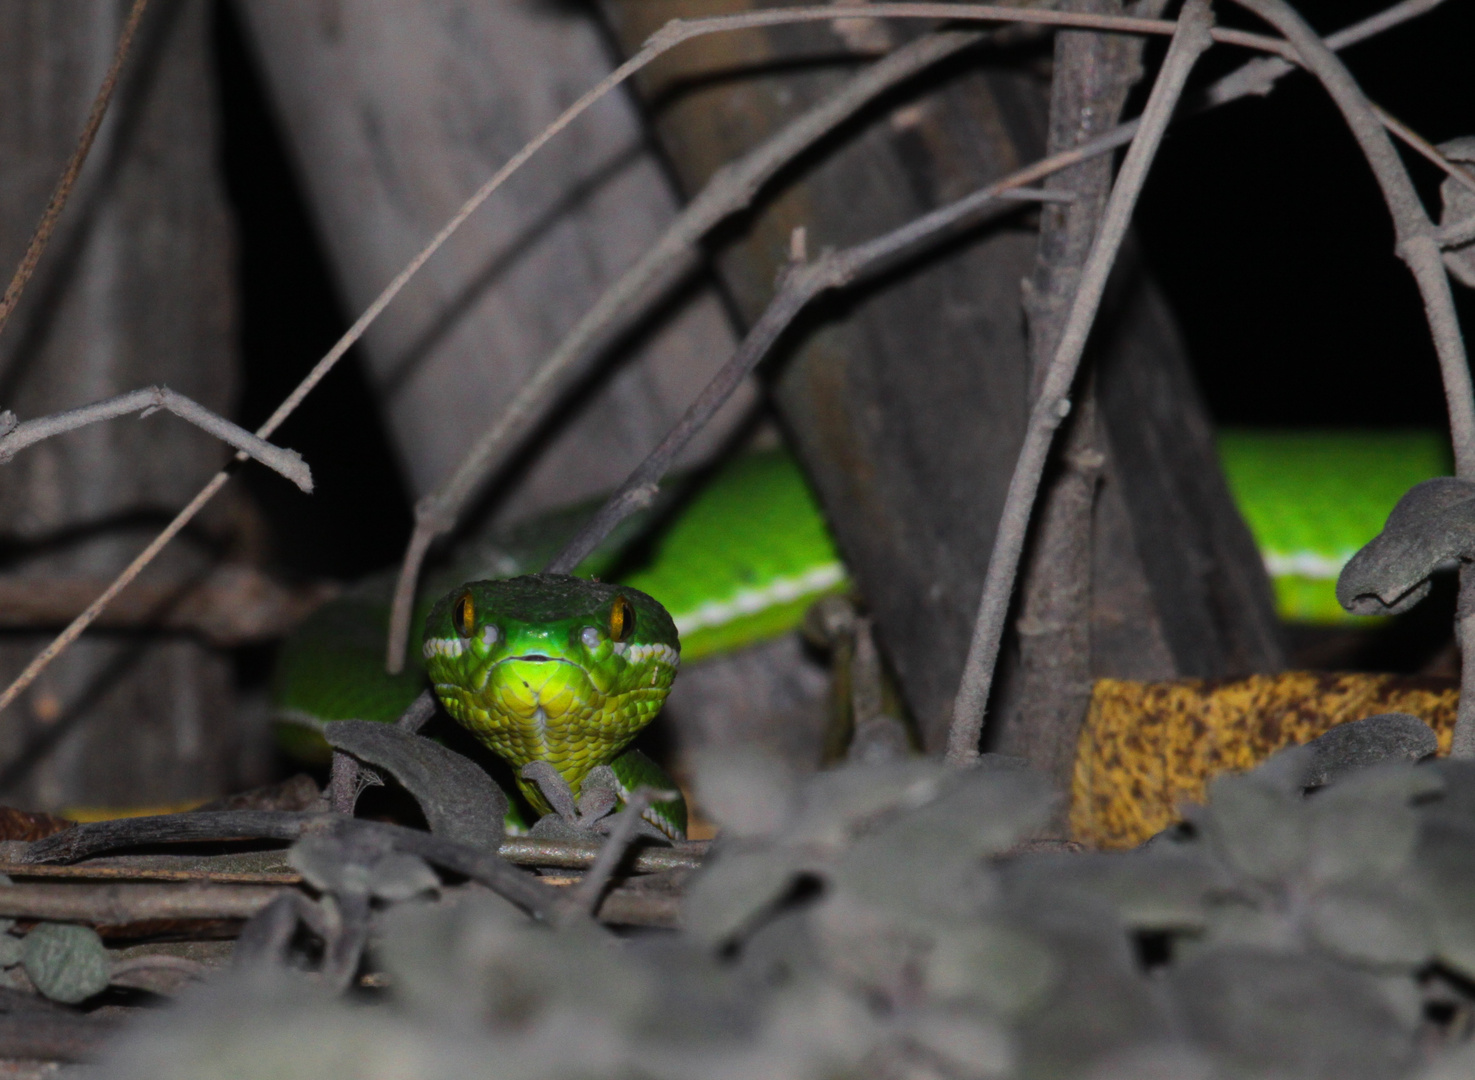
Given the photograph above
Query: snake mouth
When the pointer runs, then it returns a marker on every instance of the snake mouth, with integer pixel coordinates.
(539, 658)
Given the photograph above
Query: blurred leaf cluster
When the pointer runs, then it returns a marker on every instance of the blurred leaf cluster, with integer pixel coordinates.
(897, 920)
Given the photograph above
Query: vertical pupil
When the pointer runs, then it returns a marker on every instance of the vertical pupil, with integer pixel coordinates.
(465, 616)
(621, 619)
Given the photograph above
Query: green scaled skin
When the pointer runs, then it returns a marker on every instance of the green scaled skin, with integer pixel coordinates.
(554, 668)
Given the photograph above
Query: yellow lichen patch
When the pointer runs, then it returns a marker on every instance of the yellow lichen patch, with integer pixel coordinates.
(1146, 748)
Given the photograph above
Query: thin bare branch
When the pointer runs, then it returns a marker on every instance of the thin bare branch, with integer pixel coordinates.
(53, 1036)
(520, 850)
(1053, 403)
(1417, 245)
(49, 217)
(233, 605)
(1423, 147)
(1258, 76)
(679, 30)
(76, 627)
(418, 713)
(800, 285)
(579, 854)
(93, 872)
(17, 436)
(116, 905)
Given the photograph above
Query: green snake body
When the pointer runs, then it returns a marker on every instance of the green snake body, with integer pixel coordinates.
(741, 561)
(1313, 498)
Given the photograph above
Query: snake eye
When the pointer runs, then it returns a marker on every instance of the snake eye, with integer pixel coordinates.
(621, 619)
(463, 615)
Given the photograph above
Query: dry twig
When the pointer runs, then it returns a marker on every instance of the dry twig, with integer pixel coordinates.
(590, 891)
(15, 435)
(801, 284)
(1053, 402)
(233, 605)
(118, 905)
(49, 217)
(1417, 244)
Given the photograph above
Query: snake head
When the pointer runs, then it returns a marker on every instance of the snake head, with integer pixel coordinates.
(551, 668)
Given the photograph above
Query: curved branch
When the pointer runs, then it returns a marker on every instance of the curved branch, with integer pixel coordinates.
(1418, 246)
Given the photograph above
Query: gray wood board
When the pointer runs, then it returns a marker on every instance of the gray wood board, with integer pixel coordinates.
(906, 399)
(396, 113)
(135, 289)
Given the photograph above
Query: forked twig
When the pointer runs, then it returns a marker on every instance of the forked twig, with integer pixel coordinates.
(801, 284)
(1423, 147)
(49, 217)
(15, 436)
(1053, 402)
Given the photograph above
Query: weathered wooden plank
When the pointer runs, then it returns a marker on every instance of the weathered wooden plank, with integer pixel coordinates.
(135, 289)
(397, 112)
(906, 400)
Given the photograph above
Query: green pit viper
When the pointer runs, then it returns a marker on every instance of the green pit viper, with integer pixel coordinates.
(737, 561)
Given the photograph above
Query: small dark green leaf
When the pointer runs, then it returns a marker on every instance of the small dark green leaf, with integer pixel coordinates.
(1258, 829)
(733, 888)
(748, 793)
(1268, 1014)
(398, 876)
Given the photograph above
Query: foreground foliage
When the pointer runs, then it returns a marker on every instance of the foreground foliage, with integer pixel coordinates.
(891, 920)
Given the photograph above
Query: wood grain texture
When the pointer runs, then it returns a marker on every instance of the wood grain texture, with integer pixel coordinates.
(136, 288)
(906, 399)
(396, 112)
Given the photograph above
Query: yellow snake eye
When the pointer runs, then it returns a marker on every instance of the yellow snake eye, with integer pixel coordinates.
(621, 619)
(463, 615)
